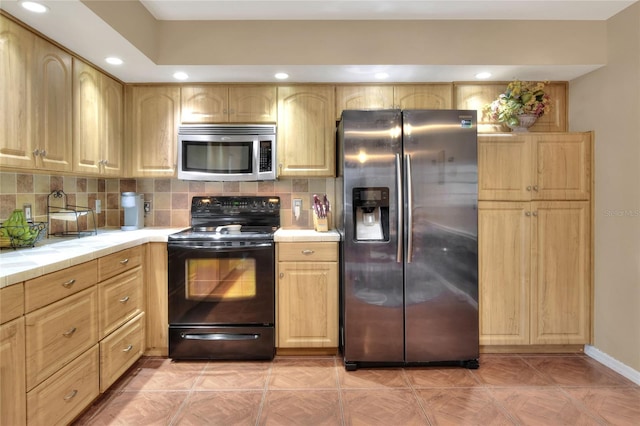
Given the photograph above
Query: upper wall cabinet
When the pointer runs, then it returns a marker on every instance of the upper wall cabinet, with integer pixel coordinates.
(98, 121)
(306, 131)
(411, 96)
(476, 96)
(35, 94)
(153, 114)
(209, 103)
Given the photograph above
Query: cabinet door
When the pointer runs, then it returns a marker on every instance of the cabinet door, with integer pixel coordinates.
(86, 125)
(204, 104)
(16, 60)
(156, 315)
(504, 230)
(306, 131)
(13, 403)
(504, 167)
(423, 96)
(562, 166)
(112, 126)
(252, 104)
(363, 97)
(155, 118)
(307, 305)
(561, 280)
(53, 106)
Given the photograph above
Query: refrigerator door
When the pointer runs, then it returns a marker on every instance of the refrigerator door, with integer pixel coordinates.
(441, 270)
(372, 289)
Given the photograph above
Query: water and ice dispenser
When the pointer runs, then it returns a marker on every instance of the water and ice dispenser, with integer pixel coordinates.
(371, 211)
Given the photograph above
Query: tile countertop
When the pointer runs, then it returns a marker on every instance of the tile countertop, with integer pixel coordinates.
(23, 264)
(305, 235)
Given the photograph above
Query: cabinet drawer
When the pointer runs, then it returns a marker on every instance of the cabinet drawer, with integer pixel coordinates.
(63, 396)
(120, 350)
(119, 299)
(52, 287)
(308, 252)
(116, 263)
(58, 333)
(11, 302)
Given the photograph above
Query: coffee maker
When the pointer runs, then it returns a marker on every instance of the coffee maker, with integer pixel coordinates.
(133, 206)
(371, 210)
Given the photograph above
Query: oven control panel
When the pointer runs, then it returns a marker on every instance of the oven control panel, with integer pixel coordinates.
(268, 204)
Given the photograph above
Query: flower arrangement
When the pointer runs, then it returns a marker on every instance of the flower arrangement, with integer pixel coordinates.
(521, 97)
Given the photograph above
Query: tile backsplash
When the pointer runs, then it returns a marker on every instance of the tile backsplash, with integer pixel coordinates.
(170, 198)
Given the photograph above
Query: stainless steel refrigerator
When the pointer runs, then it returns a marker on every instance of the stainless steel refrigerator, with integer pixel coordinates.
(409, 278)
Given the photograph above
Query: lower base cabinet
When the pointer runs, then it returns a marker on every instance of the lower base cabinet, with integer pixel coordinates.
(307, 295)
(12, 373)
(65, 394)
(120, 350)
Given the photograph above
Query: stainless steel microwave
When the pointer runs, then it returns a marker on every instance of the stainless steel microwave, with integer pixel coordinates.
(227, 152)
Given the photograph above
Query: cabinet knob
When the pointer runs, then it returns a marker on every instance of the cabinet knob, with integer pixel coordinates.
(232, 111)
(529, 188)
(43, 153)
(527, 213)
(36, 152)
(535, 188)
(281, 274)
(535, 213)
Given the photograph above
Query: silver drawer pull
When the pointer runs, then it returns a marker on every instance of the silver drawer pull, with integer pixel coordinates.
(69, 283)
(71, 394)
(124, 299)
(124, 261)
(69, 332)
(307, 252)
(128, 348)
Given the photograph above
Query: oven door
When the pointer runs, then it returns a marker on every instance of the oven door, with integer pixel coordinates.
(221, 286)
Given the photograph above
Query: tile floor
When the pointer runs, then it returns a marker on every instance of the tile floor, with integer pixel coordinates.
(505, 390)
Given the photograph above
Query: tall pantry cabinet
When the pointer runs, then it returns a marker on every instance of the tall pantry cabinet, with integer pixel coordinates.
(535, 238)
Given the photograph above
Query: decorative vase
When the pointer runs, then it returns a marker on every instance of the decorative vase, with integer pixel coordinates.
(525, 121)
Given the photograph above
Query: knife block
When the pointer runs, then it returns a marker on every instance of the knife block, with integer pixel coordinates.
(321, 224)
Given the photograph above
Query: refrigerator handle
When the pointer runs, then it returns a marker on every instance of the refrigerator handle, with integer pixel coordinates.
(407, 159)
(400, 208)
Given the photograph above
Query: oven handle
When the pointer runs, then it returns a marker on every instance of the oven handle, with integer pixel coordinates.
(189, 246)
(219, 336)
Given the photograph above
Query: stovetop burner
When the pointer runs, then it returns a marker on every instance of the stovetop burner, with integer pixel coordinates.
(257, 217)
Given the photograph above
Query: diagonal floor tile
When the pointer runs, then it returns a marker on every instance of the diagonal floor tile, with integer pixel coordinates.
(469, 406)
(576, 371)
(163, 374)
(509, 371)
(441, 377)
(224, 408)
(312, 407)
(373, 407)
(618, 406)
(303, 373)
(233, 375)
(373, 378)
(542, 406)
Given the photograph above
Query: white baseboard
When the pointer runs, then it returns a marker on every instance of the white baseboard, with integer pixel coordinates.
(612, 363)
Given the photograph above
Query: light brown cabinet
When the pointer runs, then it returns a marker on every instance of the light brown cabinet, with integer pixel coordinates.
(306, 131)
(120, 350)
(98, 127)
(307, 295)
(409, 96)
(157, 305)
(209, 103)
(475, 96)
(535, 252)
(153, 118)
(120, 299)
(35, 126)
(13, 402)
(534, 166)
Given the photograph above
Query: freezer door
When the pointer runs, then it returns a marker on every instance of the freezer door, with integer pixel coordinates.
(372, 289)
(441, 270)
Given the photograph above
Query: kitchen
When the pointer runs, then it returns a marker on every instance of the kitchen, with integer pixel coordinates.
(616, 299)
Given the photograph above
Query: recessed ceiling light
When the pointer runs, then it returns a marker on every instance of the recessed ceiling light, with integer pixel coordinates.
(113, 60)
(483, 75)
(34, 7)
(281, 76)
(381, 75)
(180, 75)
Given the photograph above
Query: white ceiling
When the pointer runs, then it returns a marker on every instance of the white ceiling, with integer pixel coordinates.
(75, 26)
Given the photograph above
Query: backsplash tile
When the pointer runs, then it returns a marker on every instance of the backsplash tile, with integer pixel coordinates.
(170, 198)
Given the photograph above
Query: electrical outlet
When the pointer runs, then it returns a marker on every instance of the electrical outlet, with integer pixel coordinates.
(147, 206)
(297, 207)
(98, 208)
